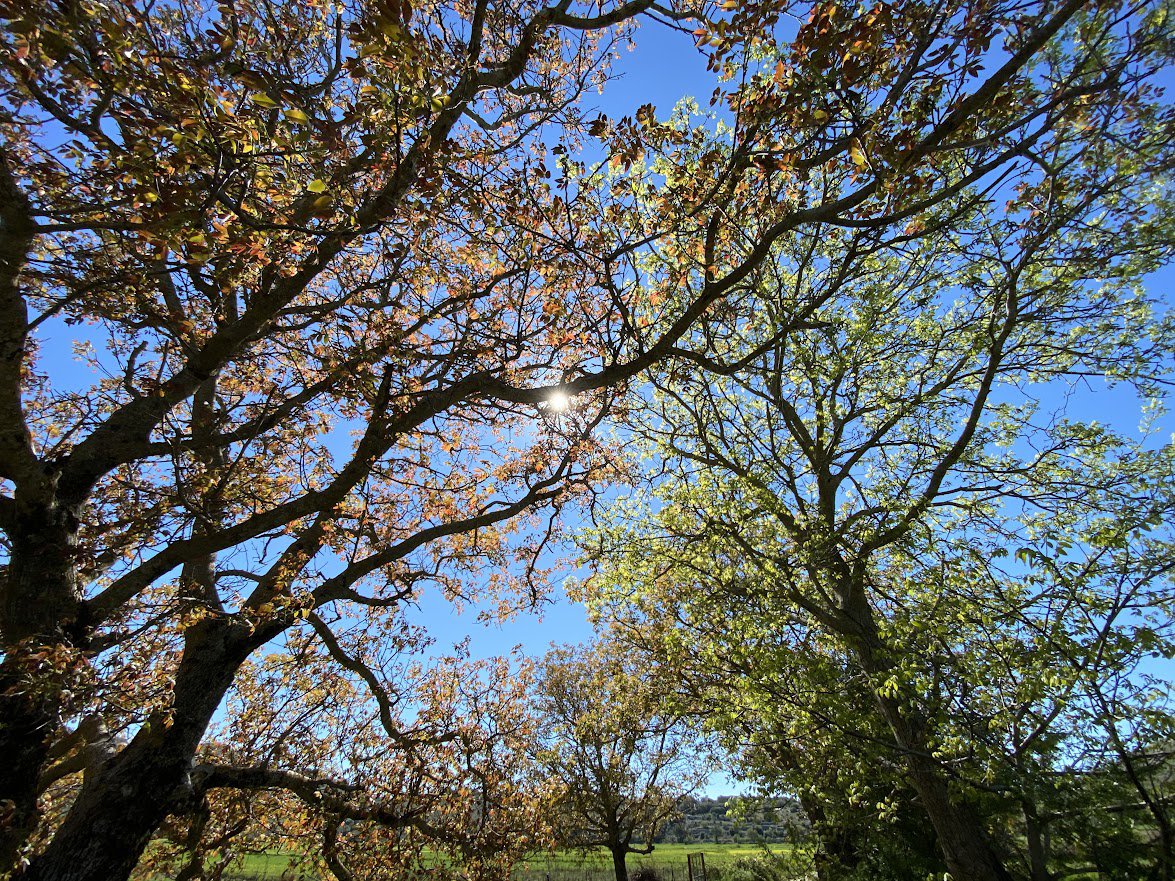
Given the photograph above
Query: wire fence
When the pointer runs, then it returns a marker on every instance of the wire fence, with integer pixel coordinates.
(591, 868)
(592, 871)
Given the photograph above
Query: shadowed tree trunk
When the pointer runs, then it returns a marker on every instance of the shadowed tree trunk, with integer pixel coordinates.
(1034, 833)
(619, 864)
(40, 640)
(962, 837)
(123, 802)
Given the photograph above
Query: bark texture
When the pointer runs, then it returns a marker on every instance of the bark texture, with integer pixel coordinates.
(122, 803)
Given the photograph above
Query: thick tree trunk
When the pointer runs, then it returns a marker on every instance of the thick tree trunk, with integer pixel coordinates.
(40, 632)
(619, 853)
(122, 803)
(964, 842)
(27, 722)
(963, 839)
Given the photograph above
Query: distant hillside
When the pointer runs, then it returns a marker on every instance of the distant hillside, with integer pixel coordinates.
(723, 820)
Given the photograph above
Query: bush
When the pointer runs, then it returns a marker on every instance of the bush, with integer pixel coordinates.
(766, 867)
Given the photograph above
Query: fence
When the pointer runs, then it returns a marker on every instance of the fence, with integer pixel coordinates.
(593, 871)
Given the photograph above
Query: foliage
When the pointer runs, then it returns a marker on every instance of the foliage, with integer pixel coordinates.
(349, 304)
(623, 758)
(882, 548)
(762, 867)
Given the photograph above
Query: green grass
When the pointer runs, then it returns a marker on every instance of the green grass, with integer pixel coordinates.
(668, 859)
(662, 853)
(264, 863)
(269, 866)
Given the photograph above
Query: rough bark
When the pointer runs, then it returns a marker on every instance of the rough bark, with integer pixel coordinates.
(122, 803)
(40, 633)
(619, 865)
(29, 719)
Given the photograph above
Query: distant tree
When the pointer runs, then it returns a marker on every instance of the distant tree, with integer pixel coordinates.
(623, 760)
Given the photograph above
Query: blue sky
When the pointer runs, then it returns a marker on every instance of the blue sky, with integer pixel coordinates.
(664, 69)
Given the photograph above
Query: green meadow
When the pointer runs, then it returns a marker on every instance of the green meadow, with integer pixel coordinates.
(663, 854)
(668, 860)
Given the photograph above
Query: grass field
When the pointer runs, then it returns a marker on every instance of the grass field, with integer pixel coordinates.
(663, 853)
(669, 861)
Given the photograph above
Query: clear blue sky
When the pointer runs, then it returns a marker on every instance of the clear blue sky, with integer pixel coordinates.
(664, 69)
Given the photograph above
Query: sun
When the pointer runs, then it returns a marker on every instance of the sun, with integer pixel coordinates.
(559, 402)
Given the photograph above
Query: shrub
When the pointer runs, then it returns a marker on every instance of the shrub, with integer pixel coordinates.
(764, 867)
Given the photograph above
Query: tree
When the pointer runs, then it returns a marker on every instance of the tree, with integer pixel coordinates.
(850, 495)
(327, 266)
(623, 758)
(459, 789)
(863, 816)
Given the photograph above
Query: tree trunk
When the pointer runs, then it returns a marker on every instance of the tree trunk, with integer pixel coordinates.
(40, 632)
(619, 853)
(1166, 852)
(964, 842)
(29, 720)
(1034, 834)
(963, 839)
(122, 803)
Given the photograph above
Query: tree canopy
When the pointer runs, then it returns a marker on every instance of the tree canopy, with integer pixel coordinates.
(354, 286)
(888, 546)
(624, 757)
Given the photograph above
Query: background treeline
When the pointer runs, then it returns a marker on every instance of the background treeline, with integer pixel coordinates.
(731, 819)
